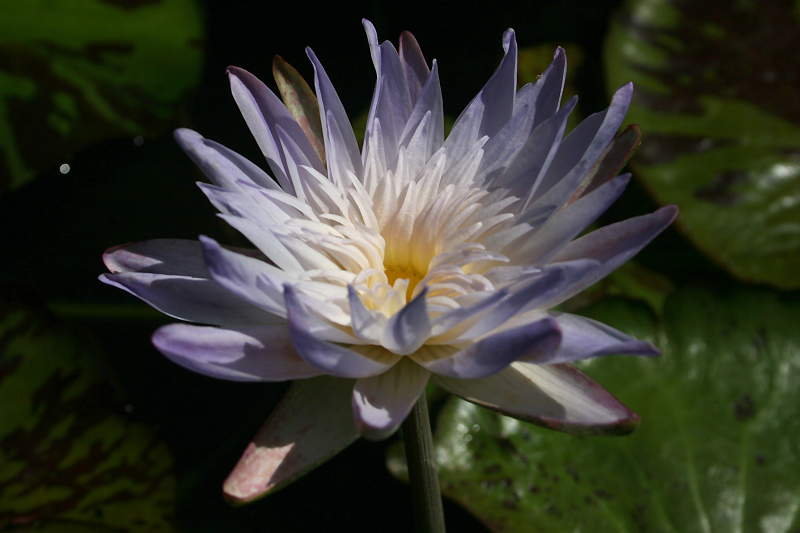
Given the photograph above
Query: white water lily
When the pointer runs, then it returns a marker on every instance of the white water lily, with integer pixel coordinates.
(416, 258)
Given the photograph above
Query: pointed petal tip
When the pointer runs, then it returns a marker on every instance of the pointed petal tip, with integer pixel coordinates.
(107, 257)
(237, 72)
(624, 91)
(671, 210)
(185, 134)
(618, 428)
(650, 350)
(237, 501)
(373, 433)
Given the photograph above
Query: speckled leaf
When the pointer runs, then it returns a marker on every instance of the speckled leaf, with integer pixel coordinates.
(717, 449)
(71, 459)
(73, 72)
(716, 97)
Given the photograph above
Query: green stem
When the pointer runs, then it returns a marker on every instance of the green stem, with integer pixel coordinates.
(422, 472)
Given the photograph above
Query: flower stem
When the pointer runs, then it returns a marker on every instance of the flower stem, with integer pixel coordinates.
(422, 473)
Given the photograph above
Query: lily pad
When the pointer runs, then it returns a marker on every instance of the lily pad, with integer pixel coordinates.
(74, 72)
(717, 449)
(71, 459)
(716, 98)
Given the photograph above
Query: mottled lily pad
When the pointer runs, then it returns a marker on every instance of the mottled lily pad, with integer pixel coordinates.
(717, 449)
(71, 459)
(716, 97)
(73, 72)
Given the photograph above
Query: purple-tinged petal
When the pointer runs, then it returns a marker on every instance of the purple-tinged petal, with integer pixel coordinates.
(239, 274)
(501, 150)
(341, 147)
(175, 257)
(455, 317)
(559, 231)
(331, 358)
(264, 112)
(312, 423)
(265, 240)
(409, 328)
(580, 150)
(608, 165)
(224, 167)
(584, 338)
(188, 298)
(551, 88)
(488, 112)
(234, 203)
(252, 354)
(366, 325)
(494, 353)
(526, 171)
(170, 275)
(613, 245)
(393, 95)
(318, 318)
(381, 403)
(414, 65)
(536, 289)
(499, 92)
(559, 397)
(301, 103)
(430, 100)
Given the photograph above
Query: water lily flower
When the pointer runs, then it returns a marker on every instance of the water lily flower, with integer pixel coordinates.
(415, 258)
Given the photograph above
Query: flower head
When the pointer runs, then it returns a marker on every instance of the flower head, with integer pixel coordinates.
(416, 258)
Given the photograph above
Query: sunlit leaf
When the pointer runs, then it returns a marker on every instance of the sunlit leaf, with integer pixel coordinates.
(71, 459)
(716, 451)
(73, 72)
(716, 97)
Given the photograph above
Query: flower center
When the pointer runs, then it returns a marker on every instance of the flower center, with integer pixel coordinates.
(413, 279)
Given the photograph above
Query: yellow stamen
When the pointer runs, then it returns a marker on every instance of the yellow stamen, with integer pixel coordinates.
(412, 277)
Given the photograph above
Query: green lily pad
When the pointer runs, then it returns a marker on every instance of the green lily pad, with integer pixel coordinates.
(717, 449)
(71, 459)
(73, 72)
(716, 98)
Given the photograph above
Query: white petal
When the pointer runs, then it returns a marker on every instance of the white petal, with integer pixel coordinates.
(253, 354)
(613, 245)
(538, 288)
(584, 338)
(331, 358)
(381, 403)
(409, 328)
(341, 148)
(224, 167)
(239, 274)
(558, 397)
(192, 299)
(366, 325)
(580, 149)
(175, 257)
(559, 231)
(494, 353)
